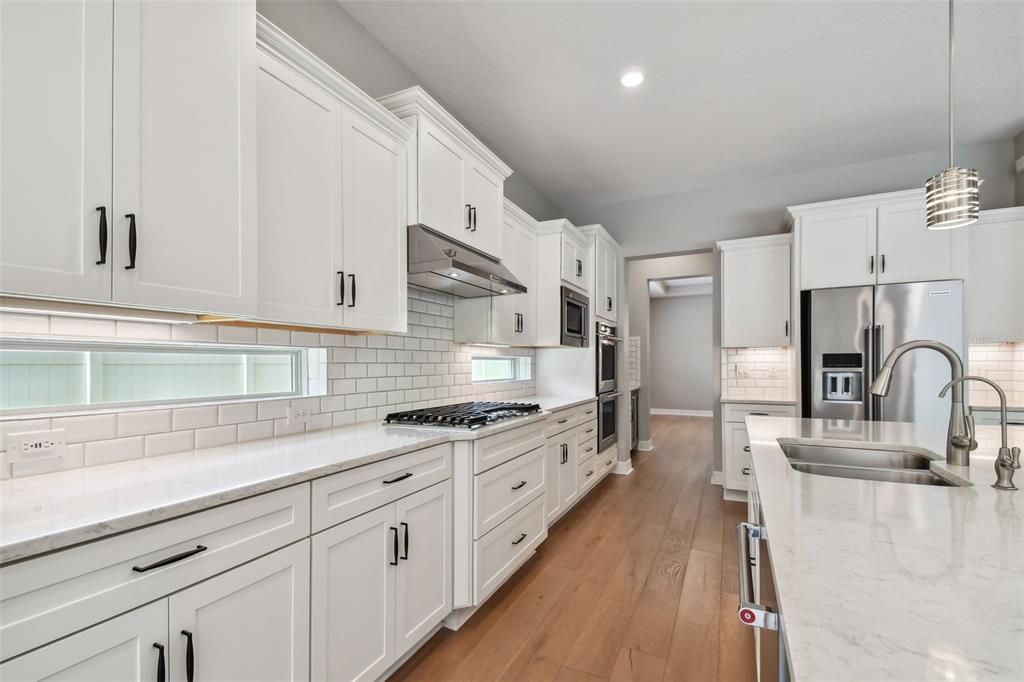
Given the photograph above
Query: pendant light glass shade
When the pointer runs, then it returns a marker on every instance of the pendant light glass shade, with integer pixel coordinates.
(951, 197)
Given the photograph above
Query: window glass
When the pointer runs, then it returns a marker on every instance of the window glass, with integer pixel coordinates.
(495, 368)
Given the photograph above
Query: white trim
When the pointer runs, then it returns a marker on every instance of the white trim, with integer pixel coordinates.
(754, 242)
(645, 446)
(717, 478)
(623, 468)
(867, 200)
(681, 413)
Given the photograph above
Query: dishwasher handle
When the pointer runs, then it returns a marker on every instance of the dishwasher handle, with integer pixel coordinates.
(749, 612)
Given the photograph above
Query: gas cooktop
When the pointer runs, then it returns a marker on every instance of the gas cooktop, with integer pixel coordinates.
(462, 415)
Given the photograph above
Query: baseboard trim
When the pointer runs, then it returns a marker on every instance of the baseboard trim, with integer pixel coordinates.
(645, 445)
(681, 413)
(457, 618)
(717, 478)
(734, 495)
(623, 468)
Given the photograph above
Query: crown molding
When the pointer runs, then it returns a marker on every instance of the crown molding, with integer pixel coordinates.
(754, 242)
(416, 101)
(519, 215)
(867, 200)
(271, 40)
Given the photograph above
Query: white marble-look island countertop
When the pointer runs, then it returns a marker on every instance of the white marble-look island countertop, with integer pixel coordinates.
(893, 581)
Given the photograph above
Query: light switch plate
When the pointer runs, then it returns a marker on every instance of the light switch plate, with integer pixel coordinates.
(30, 446)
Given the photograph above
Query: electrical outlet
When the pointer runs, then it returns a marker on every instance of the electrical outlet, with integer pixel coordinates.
(31, 446)
(298, 415)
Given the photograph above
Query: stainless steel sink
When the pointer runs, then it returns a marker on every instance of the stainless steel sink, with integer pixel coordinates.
(857, 457)
(894, 466)
(915, 476)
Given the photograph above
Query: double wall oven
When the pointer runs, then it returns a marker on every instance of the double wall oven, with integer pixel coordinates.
(607, 385)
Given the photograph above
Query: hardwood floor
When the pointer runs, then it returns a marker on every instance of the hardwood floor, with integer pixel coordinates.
(637, 582)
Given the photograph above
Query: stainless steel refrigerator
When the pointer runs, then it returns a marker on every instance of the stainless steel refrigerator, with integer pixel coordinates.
(847, 334)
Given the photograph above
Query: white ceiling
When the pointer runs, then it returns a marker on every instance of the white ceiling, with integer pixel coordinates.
(734, 88)
(681, 286)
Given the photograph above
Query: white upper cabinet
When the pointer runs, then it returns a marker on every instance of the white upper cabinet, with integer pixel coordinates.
(135, 114)
(184, 216)
(606, 273)
(880, 239)
(756, 293)
(995, 285)
(910, 252)
(456, 184)
(575, 262)
(56, 86)
(332, 182)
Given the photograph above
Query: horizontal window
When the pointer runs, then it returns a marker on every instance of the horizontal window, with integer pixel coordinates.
(43, 375)
(497, 368)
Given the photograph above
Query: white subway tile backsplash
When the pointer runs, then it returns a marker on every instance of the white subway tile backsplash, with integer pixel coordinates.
(1002, 363)
(757, 374)
(369, 376)
(169, 443)
(216, 435)
(91, 427)
(116, 450)
(193, 417)
(141, 423)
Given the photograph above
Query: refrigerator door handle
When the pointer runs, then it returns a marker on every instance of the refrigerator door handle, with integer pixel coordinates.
(869, 373)
(878, 410)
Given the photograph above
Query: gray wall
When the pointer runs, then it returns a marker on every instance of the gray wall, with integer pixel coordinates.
(638, 272)
(332, 34)
(1018, 152)
(693, 221)
(681, 341)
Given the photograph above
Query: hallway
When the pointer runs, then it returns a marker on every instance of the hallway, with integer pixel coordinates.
(637, 582)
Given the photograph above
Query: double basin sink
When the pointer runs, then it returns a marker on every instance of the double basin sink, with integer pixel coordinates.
(894, 466)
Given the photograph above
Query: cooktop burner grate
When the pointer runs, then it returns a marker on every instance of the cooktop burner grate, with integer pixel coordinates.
(471, 415)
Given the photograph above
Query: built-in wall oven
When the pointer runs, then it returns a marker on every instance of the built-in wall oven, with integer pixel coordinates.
(607, 350)
(607, 419)
(575, 318)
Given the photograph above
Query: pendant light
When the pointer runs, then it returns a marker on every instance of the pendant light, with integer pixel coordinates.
(951, 197)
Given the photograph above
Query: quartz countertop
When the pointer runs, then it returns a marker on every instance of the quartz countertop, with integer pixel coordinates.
(52, 511)
(887, 580)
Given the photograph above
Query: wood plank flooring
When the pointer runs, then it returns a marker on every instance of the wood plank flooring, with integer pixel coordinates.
(637, 582)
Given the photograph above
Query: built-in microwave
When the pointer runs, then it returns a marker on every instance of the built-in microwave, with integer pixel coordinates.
(575, 318)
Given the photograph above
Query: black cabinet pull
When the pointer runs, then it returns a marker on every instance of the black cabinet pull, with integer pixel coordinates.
(787, 329)
(882, 263)
(745, 471)
(469, 217)
(759, 414)
(103, 235)
(341, 287)
(352, 285)
(190, 657)
(609, 304)
(590, 449)
(161, 668)
(579, 268)
(590, 473)
(405, 548)
(472, 213)
(562, 421)
(133, 241)
(519, 485)
(565, 453)
(589, 431)
(170, 560)
(394, 536)
(522, 537)
(746, 448)
(396, 479)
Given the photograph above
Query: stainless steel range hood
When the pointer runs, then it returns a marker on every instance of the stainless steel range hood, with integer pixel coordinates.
(440, 263)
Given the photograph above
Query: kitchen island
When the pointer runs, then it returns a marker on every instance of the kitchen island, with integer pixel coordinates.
(893, 581)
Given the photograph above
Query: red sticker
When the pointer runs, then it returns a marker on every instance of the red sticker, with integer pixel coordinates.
(747, 616)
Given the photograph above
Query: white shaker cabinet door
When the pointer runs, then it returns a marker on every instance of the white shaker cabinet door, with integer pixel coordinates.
(55, 148)
(424, 588)
(555, 468)
(300, 228)
(249, 624)
(910, 252)
(485, 195)
(526, 272)
(185, 155)
(353, 633)
(756, 297)
(837, 249)
(441, 202)
(118, 650)
(374, 226)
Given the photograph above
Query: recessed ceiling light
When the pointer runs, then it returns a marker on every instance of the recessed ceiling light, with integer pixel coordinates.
(454, 274)
(632, 78)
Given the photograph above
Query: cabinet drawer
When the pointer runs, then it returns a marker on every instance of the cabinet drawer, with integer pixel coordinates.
(736, 412)
(586, 450)
(560, 421)
(498, 554)
(346, 495)
(587, 412)
(51, 596)
(491, 451)
(501, 491)
(586, 431)
(737, 460)
(587, 474)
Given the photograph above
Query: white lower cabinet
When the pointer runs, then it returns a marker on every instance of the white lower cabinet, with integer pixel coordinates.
(737, 465)
(250, 623)
(563, 486)
(381, 581)
(123, 649)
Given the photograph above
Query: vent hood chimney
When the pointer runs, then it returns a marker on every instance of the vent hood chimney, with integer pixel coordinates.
(440, 263)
